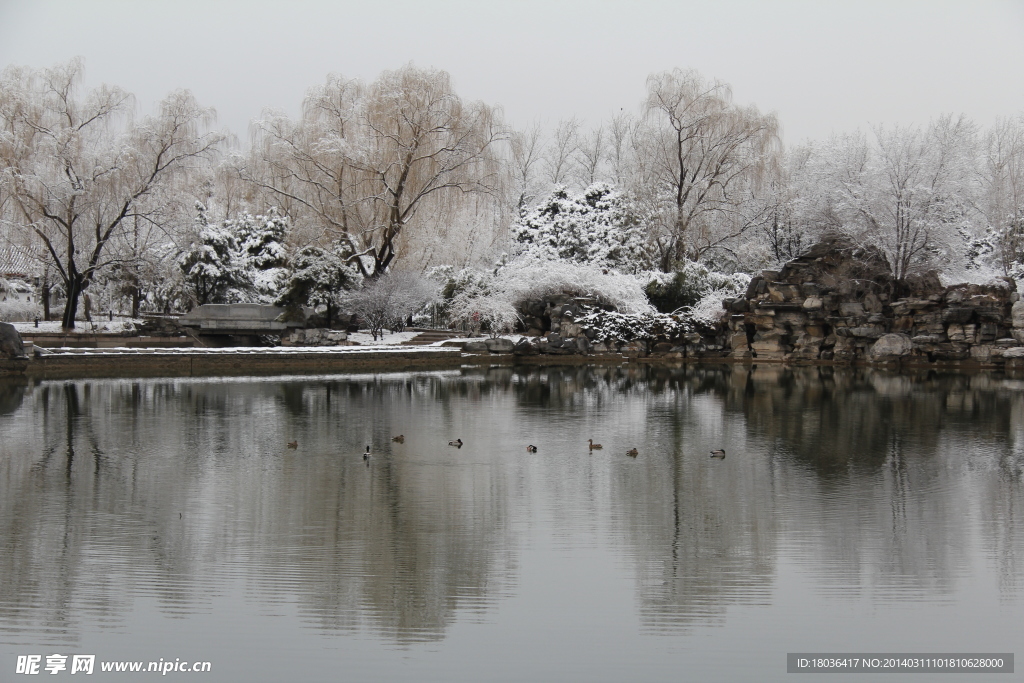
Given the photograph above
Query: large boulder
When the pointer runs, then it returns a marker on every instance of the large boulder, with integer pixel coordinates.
(500, 345)
(1017, 314)
(11, 345)
(890, 346)
(475, 347)
(525, 348)
(838, 264)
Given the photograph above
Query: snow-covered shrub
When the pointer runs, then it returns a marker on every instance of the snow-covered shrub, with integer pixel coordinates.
(690, 285)
(610, 326)
(529, 277)
(491, 312)
(468, 281)
(468, 300)
(602, 227)
(989, 256)
(388, 300)
(708, 310)
(13, 311)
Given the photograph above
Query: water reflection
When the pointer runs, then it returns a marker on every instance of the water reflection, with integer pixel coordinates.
(894, 487)
(12, 391)
(175, 490)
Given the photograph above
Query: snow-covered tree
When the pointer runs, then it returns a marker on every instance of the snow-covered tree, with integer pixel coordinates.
(1002, 196)
(523, 166)
(369, 162)
(701, 161)
(211, 265)
(243, 259)
(75, 170)
(319, 277)
(601, 226)
(798, 216)
(261, 251)
(558, 157)
(907, 190)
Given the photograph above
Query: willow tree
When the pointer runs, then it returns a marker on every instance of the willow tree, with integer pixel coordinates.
(366, 163)
(76, 171)
(705, 159)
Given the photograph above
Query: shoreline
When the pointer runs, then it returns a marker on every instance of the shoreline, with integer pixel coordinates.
(128, 362)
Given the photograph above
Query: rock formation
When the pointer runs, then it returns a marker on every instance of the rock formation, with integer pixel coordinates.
(11, 346)
(838, 302)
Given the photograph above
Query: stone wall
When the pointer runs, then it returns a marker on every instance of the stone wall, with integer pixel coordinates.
(315, 336)
(838, 303)
(226, 362)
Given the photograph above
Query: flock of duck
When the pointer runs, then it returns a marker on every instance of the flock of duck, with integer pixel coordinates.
(457, 443)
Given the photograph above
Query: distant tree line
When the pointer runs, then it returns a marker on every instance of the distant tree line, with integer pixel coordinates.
(402, 176)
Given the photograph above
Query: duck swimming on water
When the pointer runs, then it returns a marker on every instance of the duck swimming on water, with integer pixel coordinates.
(293, 444)
(531, 449)
(718, 453)
(632, 452)
(457, 443)
(399, 439)
(366, 455)
(594, 446)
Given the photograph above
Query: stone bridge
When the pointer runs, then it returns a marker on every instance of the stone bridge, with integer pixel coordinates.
(237, 320)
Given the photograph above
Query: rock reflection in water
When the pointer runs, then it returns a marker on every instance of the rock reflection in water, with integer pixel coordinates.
(890, 507)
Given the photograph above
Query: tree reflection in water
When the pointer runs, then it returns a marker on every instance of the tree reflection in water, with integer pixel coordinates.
(183, 490)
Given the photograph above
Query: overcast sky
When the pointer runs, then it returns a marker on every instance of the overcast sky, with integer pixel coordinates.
(821, 66)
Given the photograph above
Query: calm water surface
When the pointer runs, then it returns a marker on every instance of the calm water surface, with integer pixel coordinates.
(855, 511)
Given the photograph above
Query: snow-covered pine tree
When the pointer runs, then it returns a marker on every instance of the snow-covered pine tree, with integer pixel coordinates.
(601, 226)
(210, 265)
(319, 277)
(261, 251)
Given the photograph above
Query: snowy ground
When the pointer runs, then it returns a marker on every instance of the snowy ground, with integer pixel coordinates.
(366, 339)
(99, 327)
(119, 327)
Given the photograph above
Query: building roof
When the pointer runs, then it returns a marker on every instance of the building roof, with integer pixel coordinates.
(16, 262)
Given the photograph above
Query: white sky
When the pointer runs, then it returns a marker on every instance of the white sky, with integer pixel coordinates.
(821, 66)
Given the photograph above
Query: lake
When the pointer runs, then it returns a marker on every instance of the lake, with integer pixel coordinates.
(168, 520)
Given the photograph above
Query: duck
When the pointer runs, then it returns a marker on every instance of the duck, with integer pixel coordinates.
(718, 453)
(293, 444)
(366, 455)
(531, 449)
(594, 446)
(457, 443)
(632, 452)
(399, 439)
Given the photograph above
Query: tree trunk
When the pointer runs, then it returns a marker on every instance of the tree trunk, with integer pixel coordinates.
(135, 301)
(71, 307)
(46, 300)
